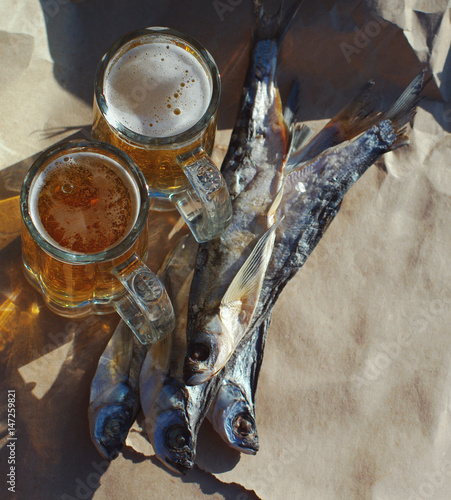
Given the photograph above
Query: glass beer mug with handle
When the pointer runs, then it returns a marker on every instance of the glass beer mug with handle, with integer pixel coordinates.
(156, 97)
(84, 207)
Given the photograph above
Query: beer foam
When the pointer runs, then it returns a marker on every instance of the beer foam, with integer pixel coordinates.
(97, 216)
(157, 89)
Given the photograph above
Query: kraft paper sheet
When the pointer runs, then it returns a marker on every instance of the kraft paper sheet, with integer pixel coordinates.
(354, 397)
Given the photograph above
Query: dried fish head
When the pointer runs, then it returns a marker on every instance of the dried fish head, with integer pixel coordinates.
(112, 421)
(172, 437)
(232, 417)
(173, 441)
(244, 429)
(208, 353)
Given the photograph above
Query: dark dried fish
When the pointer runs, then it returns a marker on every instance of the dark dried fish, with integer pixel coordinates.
(114, 401)
(253, 171)
(164, 397)
(313, 195)
(312, 198)
(114, 398)
(232, 413)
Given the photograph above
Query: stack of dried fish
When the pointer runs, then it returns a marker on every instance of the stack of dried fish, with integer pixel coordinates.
(286, 189)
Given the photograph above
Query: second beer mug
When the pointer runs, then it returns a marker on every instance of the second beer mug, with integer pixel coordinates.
(156, 97)
(84, 211)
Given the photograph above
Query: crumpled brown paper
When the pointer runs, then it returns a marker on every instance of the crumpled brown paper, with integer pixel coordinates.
(354, 394)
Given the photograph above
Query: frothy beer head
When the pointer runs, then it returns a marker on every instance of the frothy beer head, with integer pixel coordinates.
(157, 88)
(84, 202)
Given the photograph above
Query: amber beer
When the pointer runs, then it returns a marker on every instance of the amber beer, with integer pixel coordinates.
(84, 210)
(156, 98)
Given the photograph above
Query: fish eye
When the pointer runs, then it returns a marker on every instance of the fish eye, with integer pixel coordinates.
(177, 437)
(198, 352)
(113, 427)
(242, 425)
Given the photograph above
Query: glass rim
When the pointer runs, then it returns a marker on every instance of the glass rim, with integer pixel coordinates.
(145, 140)
(67, 147)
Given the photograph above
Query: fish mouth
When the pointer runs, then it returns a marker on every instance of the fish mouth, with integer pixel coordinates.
(244, 432)
(179, 466)
(248, 447)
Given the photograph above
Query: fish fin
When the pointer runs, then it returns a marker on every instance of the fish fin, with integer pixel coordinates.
(299, 133)
(404, 109)
(241, 298)
(291, 108)
(408, 99)
(274, 26)
(350, 121)
(355, 117)
(271, 217)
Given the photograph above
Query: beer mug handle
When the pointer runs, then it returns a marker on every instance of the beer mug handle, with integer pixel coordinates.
(146, 307)
(205, 205)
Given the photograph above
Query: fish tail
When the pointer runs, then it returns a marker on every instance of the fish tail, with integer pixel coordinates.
(350, 121)
(292, 107)
(299, 133)
(354, 118)
(403, 110)
(273, 27)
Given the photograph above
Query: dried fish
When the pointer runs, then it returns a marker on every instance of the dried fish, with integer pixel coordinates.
(253, 171)
(313, 195)
(232, 413)
(114, 401)
(163, 394)
(114, 398)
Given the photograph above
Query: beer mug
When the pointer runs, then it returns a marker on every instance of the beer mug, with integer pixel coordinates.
(156, 98)
(84, 207)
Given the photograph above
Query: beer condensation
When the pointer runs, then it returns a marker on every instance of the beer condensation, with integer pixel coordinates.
(157, 90)
(80, 203)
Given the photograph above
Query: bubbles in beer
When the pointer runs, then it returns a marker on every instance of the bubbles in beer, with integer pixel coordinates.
(85, 204)
(157, 89)
(67, 187)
